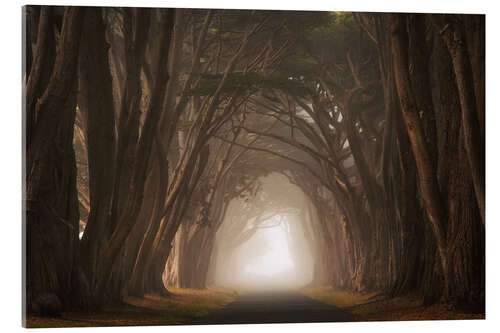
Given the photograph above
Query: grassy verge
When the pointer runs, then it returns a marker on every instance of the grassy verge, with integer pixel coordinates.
(370, 307)
(185, 306)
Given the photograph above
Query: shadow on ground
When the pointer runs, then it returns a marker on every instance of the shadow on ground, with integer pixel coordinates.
(274, 307)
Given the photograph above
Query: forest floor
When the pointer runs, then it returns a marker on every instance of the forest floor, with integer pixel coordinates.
(184, 307)
(372, 307)
(190, 306)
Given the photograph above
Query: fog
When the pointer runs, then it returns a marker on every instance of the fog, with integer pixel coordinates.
(261, 244)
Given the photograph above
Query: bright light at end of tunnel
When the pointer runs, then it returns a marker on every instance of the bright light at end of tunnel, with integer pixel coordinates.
(276, 258)
(269, 254)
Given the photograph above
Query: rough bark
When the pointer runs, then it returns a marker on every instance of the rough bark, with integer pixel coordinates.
(426, 171)
(41, 67)
(52, 202)
(450, 27)
(95, 75)
(142, 159)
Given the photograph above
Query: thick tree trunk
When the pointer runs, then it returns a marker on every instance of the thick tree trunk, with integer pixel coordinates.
(142, 159)
(41, 68)
(95, 75)
(155, 264)
(52, 202)
(457, 187)
(450, 27)
(136, 25)
(476, 35)
(426, 171)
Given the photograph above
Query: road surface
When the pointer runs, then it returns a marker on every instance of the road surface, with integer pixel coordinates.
(274, 307)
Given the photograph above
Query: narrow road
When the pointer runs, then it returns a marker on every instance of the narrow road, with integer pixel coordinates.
(274, 307)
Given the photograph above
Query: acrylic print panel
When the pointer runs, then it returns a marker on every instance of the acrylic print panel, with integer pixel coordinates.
(216, 166)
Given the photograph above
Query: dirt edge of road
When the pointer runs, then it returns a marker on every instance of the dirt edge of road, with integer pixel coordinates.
(374, 307)
(184, 306)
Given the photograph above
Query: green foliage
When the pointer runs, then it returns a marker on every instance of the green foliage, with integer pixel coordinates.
(248, 82)
(324, 43)
(330, 41)
(299, 22)
(341, 32)
(340, 28)
(299, 65)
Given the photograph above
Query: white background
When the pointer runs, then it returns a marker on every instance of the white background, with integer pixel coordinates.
(10, 155)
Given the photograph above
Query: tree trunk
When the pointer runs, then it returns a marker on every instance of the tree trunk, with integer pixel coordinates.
(426, 171)
(52, 201)
(95, 75)
(450, 28)
(41, 68)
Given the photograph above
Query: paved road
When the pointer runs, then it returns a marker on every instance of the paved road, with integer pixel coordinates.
(274, 307)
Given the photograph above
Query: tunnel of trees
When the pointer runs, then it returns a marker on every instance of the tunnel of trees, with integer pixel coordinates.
(151, 133)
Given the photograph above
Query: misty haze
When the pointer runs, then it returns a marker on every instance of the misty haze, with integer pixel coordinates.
(215, 166)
